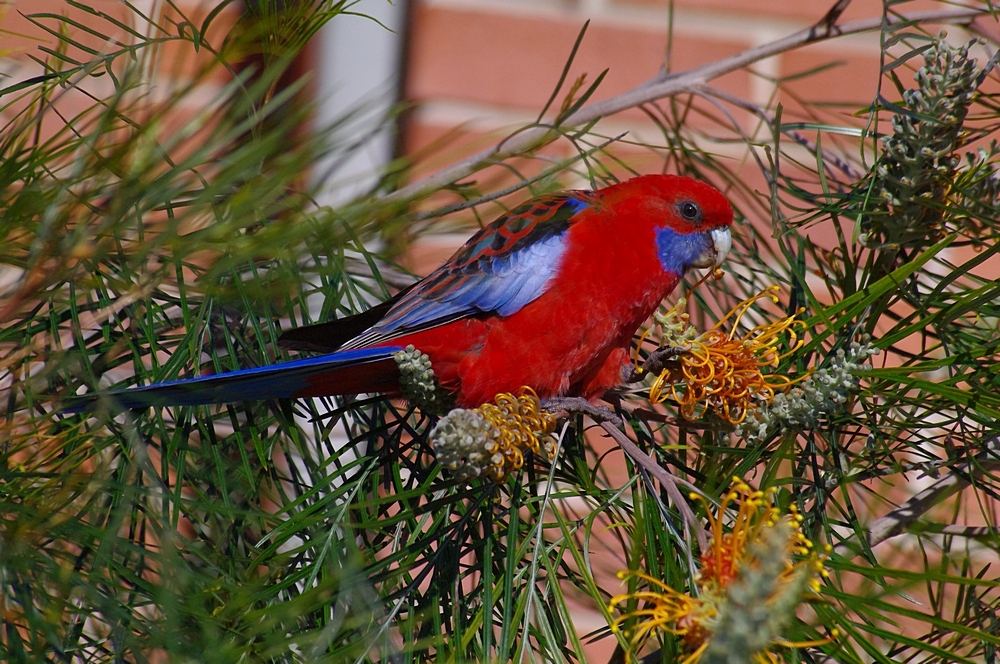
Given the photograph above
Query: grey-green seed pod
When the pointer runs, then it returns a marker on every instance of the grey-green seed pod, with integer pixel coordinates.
(803, 407)
(918, 167)
(465, 443)
(418, 383)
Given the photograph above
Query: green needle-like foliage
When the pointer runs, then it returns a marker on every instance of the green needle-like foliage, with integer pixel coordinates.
(164, 231)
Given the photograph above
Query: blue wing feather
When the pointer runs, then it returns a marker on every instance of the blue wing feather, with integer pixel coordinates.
(502, 268)
(283, 380)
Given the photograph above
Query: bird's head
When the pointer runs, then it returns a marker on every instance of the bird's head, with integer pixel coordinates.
(690, 219)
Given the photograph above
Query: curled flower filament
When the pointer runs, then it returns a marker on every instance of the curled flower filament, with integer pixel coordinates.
(719, 372)
(750, 535)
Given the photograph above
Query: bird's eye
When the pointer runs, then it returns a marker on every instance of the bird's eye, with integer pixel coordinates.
(689, 210)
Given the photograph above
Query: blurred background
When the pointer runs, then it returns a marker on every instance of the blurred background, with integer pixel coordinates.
(457, 76)
(469, 72)
(475, 69)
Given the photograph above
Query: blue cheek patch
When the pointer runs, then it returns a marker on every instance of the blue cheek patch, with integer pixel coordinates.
(678, 250)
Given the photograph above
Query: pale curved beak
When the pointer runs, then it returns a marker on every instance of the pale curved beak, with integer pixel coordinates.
(722, 242)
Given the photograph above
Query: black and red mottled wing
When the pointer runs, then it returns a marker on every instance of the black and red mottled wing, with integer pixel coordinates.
(503, 267)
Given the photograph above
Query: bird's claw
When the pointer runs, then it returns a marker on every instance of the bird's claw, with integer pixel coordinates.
(657, 361)
(563, 406)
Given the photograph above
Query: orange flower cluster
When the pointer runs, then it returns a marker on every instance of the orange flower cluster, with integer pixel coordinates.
(694, 618)
(755, 512)
(721, 373)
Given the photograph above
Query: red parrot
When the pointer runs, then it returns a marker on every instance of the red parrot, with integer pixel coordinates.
(547, 296)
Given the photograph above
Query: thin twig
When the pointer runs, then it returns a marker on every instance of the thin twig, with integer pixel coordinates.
(711, 94)
(667, 481)
(831, 17)
(665, 85)
(896, 521)
(559, 166)
(970, 532)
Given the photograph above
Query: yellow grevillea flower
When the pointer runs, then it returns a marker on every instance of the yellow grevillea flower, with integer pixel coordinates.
(755, 511)
(522, 426)
(494, 438)
(720, 372)
(746, 521)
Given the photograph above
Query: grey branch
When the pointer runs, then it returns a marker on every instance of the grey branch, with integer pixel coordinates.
(666, 480)
(666, 85)
(564, 406)
(896, 521)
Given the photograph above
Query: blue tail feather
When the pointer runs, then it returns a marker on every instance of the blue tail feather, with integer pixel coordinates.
(284, 380)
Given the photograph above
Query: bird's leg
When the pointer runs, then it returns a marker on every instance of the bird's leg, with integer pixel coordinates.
(657, 361)
(563, 406)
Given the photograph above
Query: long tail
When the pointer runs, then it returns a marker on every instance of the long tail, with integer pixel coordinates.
(345, 372)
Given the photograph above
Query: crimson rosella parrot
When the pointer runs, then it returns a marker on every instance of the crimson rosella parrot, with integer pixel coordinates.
(547, 296)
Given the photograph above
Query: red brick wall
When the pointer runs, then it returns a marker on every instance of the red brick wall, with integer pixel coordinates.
(493, 63)
(486, 67)
(24, 26)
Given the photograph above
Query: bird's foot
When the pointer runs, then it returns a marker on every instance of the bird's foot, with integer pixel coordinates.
(563, 406)
(658, 360)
